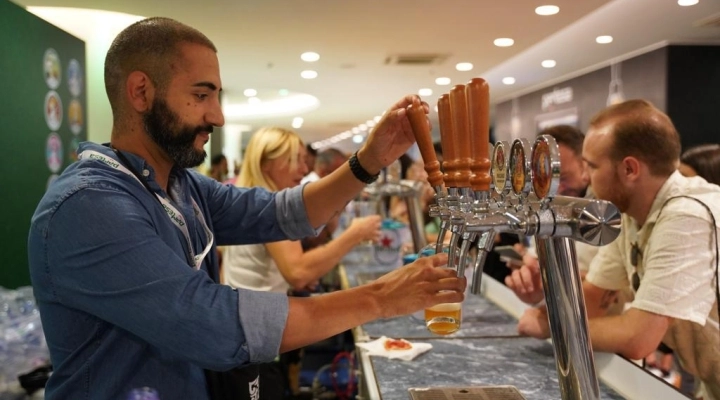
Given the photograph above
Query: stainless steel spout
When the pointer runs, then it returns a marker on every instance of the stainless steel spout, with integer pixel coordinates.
(568, 319)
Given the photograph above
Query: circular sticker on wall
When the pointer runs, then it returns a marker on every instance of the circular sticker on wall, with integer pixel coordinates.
(75, 116)
(50, 180)
(73, 148)
(53, 110)
(74, 78)
(54, 153)
(52, 68)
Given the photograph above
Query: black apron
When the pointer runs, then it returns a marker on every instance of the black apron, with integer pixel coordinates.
(246, 383)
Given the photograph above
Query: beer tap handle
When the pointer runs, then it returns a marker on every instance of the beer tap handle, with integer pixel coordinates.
(461, 131)
(485, 245)
(447, 141)
(478, 104)
(421, 129)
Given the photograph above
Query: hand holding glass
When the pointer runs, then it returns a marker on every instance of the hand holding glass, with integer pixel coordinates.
(443, 318)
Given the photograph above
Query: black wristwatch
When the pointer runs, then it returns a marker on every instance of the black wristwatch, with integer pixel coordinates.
(360, 173)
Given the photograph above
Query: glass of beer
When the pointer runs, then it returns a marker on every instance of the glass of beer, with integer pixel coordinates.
(443, 318)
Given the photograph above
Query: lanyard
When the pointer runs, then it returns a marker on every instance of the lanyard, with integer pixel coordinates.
(175, 216)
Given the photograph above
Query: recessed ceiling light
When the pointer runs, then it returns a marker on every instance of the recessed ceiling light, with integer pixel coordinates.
(605, 39)
(355, 130)
(358, 139)
(377, 118)
(363, 127)
(442, 81)
(290, 105)
(503, 42)
(686, 3)
(508, 80)
(310, 56)
(250, 92)
(297, 122)
(548, 63)
(464, 66)
(283, 92)
(425, 92)
(547, 10)
(309, 74)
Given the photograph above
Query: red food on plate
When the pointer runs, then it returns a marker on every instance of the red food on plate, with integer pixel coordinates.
(397, 344)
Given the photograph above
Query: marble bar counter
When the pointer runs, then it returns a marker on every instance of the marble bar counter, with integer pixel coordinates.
(487, 351)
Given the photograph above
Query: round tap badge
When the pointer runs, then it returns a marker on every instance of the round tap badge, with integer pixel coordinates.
(74, 78)
(53, 110)
(54, 153)
(52, 68)
(499, 167)
(75, 116)
(519, 173)
(545, 167)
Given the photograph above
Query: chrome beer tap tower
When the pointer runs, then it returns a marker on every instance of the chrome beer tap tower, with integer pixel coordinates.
(514, 190)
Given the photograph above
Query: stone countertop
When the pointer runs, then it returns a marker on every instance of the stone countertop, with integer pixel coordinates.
(485, 352)
(525, 363)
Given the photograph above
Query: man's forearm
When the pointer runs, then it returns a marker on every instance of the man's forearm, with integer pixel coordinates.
(312, 319)
(328, 196)
(634, 334)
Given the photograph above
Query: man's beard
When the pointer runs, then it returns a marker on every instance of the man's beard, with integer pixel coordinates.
(175, 139)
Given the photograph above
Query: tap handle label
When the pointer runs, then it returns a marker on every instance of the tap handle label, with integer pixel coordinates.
(520, 170)
(545, 167)
(499, 170)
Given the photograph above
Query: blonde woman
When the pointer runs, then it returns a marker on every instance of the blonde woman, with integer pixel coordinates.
(274, 160)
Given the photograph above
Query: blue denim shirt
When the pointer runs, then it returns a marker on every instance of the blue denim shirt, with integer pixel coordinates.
(120, 304)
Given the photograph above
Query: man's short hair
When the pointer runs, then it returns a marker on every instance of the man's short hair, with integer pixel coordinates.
(311, 150)
(566, 135)
(150, 45)
(642, 131)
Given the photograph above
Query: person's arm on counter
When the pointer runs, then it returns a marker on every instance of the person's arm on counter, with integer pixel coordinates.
(405, 290)
(300, 268)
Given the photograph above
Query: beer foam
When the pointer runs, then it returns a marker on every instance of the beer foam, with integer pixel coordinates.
(446, 307)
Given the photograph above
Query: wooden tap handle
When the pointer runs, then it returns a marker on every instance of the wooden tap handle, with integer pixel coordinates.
(461, 126)
(421, 129)
(478, 100)
(447, 140)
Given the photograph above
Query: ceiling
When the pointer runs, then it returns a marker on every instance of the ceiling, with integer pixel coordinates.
(260, 41)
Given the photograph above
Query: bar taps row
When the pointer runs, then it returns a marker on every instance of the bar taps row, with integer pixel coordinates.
(514, 190)
(511, 189)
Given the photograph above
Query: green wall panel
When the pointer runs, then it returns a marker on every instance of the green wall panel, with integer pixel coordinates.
(39, 65)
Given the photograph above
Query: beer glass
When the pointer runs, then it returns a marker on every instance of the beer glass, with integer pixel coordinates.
(443, 318)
